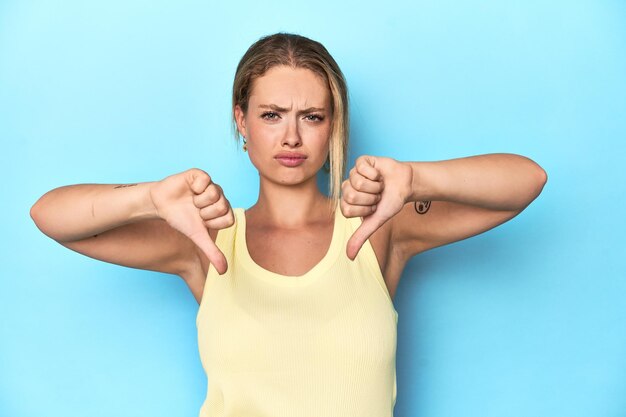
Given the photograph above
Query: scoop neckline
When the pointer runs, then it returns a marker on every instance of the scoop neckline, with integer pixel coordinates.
(286, 280)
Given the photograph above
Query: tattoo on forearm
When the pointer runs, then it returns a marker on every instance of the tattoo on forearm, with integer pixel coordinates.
(124, 185)
(422, 206)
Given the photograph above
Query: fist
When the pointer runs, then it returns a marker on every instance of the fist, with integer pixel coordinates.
(376, 189)
(192, 203)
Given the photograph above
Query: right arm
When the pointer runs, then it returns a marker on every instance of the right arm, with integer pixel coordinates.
(160, 226)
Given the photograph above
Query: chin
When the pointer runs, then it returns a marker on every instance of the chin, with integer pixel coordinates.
(291, 176)
(294, 179)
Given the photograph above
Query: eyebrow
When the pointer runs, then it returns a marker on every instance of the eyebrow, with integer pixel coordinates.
(284, 109)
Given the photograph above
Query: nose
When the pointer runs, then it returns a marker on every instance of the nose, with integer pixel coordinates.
(292, 137)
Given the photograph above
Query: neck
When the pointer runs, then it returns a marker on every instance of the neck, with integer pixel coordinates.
(291, 206)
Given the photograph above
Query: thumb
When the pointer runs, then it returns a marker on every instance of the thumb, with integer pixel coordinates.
(203, 240)
(369, 225)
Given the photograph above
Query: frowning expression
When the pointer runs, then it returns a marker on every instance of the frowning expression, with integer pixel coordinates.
(287, 125)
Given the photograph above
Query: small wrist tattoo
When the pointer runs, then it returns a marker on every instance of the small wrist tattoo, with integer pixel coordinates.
(422, 206)
(124, 185)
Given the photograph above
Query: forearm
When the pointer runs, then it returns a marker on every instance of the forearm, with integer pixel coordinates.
(493, 181)
(75, 212)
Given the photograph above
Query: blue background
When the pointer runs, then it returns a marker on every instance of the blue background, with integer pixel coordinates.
(526, 320)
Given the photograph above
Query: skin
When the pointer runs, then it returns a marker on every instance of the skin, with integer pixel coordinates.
(407, 207)
(383, 191)
(290, 227)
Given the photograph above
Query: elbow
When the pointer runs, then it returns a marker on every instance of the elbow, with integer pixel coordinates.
(541, 178)
(538, 179)
(38, 215)
(535, 178)
(35, 213)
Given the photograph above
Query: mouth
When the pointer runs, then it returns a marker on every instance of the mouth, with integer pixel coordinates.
(290, 159)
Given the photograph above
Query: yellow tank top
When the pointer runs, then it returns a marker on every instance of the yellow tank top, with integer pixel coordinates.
(322, 344)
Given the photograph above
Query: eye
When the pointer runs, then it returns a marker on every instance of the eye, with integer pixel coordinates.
(269, 115)
(316, 117)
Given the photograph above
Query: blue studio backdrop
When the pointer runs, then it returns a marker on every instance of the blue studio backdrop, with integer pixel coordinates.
(525, 320)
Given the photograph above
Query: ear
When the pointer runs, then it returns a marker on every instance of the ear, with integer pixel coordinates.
(240, 119)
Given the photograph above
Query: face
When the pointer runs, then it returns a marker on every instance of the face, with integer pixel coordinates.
(287, 125)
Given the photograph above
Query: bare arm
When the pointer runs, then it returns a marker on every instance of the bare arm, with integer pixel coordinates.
(430, 204)
(161, 226)
(76, 212)
(493, 181)
(113, 223)
(455, 199)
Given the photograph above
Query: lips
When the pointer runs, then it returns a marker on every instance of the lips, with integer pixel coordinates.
(290, 159)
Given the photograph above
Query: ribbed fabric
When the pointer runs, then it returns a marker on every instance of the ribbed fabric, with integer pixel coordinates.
(322, 344)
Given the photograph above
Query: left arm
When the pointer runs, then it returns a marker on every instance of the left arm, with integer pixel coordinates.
(430, 204)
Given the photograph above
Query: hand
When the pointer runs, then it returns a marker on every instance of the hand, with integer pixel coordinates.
(377, 189)
(191, 203)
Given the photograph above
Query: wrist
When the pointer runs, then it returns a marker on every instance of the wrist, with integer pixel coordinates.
(423, 182)
(414, 191)
(145, 208)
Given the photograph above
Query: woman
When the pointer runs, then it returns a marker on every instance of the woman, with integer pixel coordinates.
(301, 321)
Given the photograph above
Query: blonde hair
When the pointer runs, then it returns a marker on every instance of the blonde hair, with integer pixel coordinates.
(299, 52)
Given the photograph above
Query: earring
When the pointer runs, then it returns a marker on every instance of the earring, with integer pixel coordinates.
(327, 165)
(245, 145)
